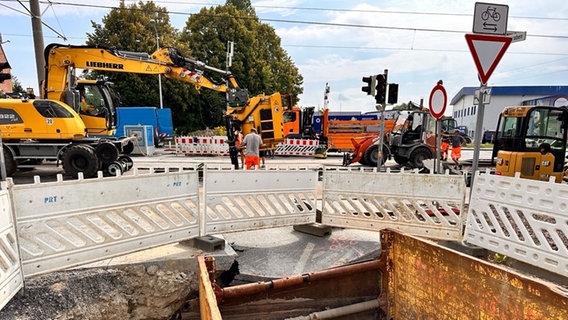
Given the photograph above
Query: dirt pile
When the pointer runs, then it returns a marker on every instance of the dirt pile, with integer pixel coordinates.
(131, 292)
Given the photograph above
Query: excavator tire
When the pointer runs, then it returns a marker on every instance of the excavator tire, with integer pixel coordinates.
(116, 167)
(107, 153)
(127, 160)
(418, 156)
(371, 155)
(9, 162)
(81, 158)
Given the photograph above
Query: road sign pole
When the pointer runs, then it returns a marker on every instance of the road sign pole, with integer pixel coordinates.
(478, 133)
(438, 161)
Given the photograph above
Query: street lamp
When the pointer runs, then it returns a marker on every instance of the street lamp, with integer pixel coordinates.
(153, 22)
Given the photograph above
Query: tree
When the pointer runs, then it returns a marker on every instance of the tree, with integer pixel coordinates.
(17, 85)
(260, 63)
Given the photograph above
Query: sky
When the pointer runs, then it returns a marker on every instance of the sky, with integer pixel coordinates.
(338, 42)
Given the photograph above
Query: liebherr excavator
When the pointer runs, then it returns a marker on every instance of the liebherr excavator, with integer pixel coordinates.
(75, 119)
(263, 112)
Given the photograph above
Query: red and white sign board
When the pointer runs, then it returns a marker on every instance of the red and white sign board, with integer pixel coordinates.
(487, 51)
(437, 102)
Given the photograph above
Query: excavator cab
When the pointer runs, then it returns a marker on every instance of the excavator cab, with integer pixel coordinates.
(96, 103)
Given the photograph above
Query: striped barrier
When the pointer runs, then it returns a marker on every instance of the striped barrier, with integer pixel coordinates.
(297, 147)
(215, 145)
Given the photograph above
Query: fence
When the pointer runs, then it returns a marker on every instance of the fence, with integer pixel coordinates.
(63, 224)
(217, 145)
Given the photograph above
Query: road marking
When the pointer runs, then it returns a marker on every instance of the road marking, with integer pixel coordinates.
(300, 266)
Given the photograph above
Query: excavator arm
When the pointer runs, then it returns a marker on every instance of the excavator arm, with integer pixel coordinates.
(166, 61)
(61, 82)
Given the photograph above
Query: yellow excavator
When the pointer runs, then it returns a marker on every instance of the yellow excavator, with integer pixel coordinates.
(263, 112)
(531, 141)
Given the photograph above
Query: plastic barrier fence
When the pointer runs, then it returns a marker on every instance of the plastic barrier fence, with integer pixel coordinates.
(215, 145)
(11, 277)
(297, 147)
(524, 219)
(258, 199)
(422, 204)
(66, 223)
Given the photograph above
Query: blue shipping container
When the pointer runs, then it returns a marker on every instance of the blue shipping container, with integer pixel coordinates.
(150, 116)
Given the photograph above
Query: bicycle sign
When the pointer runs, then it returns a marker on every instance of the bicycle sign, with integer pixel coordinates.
(490, 18)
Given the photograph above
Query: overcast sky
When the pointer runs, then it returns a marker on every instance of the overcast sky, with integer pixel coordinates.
(339, 42)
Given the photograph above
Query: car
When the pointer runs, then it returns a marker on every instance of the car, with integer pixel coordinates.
(488, 136)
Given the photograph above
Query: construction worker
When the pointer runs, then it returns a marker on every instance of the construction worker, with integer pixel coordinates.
(239, 146)
(252, 143)
(457, 142)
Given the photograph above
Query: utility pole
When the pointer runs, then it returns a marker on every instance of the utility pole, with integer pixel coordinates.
(38, 41)
(153, 22)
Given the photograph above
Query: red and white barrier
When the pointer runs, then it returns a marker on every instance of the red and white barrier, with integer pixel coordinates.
(215, 145)
(297, 147)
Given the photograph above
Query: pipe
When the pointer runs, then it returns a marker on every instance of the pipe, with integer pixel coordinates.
(341, 311)
(297, 280)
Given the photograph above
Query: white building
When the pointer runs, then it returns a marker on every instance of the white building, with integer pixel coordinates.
(465, 112)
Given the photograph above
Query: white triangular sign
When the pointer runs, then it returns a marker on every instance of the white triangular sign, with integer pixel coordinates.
(487, 51)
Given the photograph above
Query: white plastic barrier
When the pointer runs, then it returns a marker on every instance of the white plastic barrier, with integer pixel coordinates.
(297, 147)
(524, 219)
(215, 145)
(67, 223)
(237, 200)
(11, 276)
(421, 204)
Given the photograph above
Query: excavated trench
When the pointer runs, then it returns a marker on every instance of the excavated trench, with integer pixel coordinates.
(140, 291)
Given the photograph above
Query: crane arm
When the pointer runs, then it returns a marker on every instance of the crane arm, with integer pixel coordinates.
(62, 60)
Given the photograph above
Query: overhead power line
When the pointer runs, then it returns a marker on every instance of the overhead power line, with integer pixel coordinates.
(331, 24)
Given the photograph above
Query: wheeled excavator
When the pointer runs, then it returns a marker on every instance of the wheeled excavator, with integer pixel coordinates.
(263, 112)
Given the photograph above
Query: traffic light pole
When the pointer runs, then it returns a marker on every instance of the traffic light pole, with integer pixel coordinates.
(382, 130)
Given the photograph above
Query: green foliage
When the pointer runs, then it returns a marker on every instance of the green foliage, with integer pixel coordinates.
(17, 86)
(259, 63)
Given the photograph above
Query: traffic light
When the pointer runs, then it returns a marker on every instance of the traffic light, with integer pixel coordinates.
(381, 89)
(370, 87)
(393, 93)
(4, 76)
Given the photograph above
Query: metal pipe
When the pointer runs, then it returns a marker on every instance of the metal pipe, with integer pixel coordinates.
(341, 311)
(296, 281)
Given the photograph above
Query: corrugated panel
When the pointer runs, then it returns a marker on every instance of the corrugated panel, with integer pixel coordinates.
(11, 276)
(67, 223)
(258, 199)
(422, 204)
(521, 218)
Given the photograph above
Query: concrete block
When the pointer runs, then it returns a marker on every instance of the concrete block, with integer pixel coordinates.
(316, 229)
(207, 243)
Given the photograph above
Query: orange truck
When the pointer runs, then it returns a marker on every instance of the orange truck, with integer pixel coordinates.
(336, 134)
